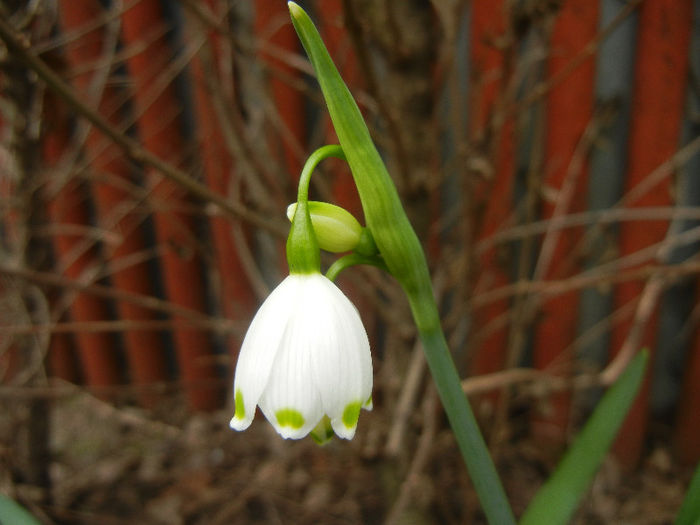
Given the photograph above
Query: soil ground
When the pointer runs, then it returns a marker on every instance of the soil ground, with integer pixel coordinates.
(116, 466)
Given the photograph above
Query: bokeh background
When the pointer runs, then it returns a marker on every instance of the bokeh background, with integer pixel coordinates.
(546, 152)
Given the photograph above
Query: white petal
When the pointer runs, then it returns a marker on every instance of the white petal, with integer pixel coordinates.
(342, 360)
(306, 354)
(260, 348)
(291, 401)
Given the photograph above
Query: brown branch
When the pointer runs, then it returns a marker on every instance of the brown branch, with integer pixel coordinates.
(420, 457)
(558, 287)
(216, 325)
(587, 218)
(586, 53)
(21, 47)
(58, 281)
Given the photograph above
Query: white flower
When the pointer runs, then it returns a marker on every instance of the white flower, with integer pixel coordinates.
(305, 360)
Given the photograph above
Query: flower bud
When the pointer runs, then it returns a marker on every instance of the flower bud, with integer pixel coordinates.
(336, 229)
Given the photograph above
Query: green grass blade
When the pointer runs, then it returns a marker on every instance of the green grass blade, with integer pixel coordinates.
(13, 513)
(690, 510)
(558, 498)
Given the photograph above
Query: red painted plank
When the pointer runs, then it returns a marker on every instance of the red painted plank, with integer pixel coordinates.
(487, 26)
(273, 26)
(657, 109)
(237, 296)
(62, 360)
(494, 196)
(160, 131)
(687, 430)
(569, 110)
(337, 40)
(116, 209)
(77, 258)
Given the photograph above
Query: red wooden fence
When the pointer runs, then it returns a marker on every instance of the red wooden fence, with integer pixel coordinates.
(658, 103)
(76, 258)
(569, 115)
(117, 209)
(491, 93)
(182, 83)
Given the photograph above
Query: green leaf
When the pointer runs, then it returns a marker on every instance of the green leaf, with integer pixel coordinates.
(690, 510)
(13, 513)
(558, 498)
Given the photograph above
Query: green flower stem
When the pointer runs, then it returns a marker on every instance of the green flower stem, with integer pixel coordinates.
(354, 259)
(402, 252)
(303, 254)
(322, 153)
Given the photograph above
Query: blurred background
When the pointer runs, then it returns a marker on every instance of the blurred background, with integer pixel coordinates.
(546, 152)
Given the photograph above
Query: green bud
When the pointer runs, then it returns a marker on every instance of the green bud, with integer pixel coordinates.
(336, 229)
(366, 246)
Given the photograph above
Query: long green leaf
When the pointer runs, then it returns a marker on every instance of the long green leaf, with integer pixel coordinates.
(690, 510)
(558, 498)
(12, 513)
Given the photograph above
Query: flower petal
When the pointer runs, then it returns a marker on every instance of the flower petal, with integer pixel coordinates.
(306, 354)
(291, 401)
(342, 361)
(260, 348)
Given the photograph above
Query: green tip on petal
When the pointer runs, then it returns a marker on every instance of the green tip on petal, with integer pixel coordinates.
(351, 414)
(323, 432)
(240, 407)
(288, 417)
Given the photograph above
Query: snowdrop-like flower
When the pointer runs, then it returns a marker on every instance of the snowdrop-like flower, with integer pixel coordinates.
(305, 361)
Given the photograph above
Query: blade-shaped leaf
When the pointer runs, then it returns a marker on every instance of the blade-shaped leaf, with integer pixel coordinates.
(690, 510)
(12, 512)
(558, 498)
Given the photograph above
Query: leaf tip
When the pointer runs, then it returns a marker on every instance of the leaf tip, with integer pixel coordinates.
(294, 9)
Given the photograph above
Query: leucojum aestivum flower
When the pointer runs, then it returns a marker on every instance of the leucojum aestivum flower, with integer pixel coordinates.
(305, 360)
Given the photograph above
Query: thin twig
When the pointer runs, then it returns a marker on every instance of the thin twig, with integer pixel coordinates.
(406, 402)
(563, 199)
(557, 287)
(19, 46)
(214, 325)
(586, 53)
(420, 458)
(598, 217)
(58, 281)
(645, 307)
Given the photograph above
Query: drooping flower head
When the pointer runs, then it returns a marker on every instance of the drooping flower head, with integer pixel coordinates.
(305, 361)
